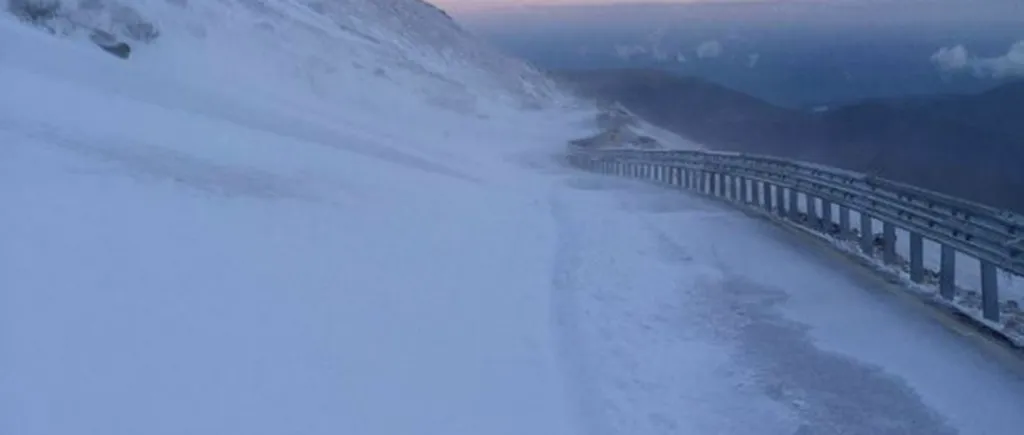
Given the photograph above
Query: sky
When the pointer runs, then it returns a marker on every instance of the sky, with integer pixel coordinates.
(809, 10)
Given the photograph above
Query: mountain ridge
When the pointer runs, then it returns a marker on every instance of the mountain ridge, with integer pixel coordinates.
(963, 145)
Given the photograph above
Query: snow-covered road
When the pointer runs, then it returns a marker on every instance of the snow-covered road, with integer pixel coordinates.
(682, 316)
(154, 292)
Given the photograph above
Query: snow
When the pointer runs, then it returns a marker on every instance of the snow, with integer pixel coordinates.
(749, 329)
(182, 257)
(199, 241)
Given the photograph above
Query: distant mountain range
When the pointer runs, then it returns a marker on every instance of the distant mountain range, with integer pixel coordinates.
(966, 145)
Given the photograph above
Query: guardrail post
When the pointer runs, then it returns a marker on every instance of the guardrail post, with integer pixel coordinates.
(867, 235)
(826, 216)
(743, 191)
(844, 222)
(889, 238)
(989, 292)
(916, 257)
(780, 199)
(760, 197)
(947, 273)
(794, 209)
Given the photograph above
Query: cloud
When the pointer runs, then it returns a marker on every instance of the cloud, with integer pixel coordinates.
(709, 49)
(629, 51)
(956, 59)
(950, 58)
(752, 60)
(636, 51)
(1010, 64)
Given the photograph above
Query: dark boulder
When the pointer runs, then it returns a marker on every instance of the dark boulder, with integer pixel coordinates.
(110, 44)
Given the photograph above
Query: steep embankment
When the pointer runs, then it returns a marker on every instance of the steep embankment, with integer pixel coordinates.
(274, 217)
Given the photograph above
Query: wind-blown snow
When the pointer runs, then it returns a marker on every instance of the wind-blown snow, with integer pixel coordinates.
(184, 253)
(221, 235)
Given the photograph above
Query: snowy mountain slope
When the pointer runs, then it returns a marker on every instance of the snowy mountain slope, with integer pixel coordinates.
(316, 48)
(203, 239)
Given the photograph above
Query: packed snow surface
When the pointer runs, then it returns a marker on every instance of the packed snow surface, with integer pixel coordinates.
(193, 243)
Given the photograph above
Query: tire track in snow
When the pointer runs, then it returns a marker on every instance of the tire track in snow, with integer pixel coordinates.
(620, 297)
(564, 294)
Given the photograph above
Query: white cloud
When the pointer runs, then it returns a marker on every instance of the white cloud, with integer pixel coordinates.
(709, 49)
(953, 59)
(752, 59)
(1010, 64)
(637, 51)
(950, 58)
(629, 51)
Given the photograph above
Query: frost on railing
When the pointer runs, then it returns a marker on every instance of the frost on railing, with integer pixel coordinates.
(961, 254)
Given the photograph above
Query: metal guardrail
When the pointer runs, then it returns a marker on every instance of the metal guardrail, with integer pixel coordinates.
(994, 237)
